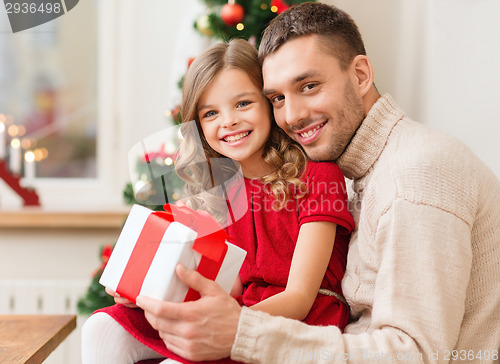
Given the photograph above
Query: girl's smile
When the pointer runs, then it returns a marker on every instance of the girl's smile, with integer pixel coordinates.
(234, 138)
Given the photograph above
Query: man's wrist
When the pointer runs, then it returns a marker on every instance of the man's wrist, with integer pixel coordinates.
(245, 341)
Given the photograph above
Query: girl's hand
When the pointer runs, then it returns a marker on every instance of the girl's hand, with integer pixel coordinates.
(121, 300)
(237, 287)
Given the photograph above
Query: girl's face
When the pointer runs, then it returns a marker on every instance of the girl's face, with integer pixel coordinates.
(235, 118)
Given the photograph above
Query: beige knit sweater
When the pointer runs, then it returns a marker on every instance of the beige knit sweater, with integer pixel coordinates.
(423, 270)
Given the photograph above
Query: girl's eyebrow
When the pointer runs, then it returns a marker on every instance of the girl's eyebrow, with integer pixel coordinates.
(201, 107)
(243, 94)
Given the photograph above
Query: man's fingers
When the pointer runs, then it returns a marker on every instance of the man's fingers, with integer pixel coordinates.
(160, 314)
(196, 281)
(153, 306)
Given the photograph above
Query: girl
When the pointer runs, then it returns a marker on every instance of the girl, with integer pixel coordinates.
(297, 225)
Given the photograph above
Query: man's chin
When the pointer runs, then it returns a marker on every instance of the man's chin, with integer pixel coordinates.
(318, 155)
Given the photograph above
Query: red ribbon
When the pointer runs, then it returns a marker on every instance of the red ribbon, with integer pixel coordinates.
(209, 243)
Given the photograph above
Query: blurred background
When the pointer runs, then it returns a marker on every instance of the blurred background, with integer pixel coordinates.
(77, 93)
(87, 86)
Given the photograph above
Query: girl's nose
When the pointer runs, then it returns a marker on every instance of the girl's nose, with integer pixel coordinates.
(229, 121)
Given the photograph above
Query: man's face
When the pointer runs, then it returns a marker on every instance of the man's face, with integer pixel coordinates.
(314, 101)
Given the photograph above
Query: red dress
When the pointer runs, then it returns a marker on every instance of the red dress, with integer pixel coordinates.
(269, 238)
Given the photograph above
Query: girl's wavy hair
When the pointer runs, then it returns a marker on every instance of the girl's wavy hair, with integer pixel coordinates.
(280, 151)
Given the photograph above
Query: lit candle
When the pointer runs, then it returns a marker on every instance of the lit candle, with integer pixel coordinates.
(29, 169)
(3, 152)
(15, 156)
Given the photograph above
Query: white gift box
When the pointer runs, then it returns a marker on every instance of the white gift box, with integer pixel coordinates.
(143, 263)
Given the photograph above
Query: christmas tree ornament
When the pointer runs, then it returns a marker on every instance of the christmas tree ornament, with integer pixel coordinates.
(279, 6)
(203, 25)
(232, 13)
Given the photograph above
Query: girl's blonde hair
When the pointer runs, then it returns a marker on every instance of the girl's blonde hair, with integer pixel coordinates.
(280, 151)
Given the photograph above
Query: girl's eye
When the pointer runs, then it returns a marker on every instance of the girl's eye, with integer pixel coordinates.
(209, 114)
(243, 103)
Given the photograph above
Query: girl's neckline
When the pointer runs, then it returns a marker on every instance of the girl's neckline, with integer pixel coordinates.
(251, 179)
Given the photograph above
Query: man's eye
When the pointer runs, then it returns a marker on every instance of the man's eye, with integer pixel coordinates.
(309, 87)
(276, 99)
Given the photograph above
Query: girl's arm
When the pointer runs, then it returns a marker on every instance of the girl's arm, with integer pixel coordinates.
(309, 263)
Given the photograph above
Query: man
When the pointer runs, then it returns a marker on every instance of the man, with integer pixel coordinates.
(422, 272)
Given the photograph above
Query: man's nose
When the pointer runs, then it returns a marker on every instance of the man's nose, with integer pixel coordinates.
(295, 111)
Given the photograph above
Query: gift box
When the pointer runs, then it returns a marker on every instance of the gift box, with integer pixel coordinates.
(152, 243)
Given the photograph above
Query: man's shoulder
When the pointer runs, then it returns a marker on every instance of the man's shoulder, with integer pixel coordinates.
(427, 166)
(415, 148)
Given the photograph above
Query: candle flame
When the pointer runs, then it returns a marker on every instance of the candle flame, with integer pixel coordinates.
(29, 156)
(15, 143)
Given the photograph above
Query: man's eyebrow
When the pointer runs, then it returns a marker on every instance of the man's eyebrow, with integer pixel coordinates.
(296, 79)
(268, 91)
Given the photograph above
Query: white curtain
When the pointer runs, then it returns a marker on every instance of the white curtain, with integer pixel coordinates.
(153, 41)
(439, 59)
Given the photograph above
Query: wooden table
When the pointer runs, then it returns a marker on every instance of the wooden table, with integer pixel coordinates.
(30, 339)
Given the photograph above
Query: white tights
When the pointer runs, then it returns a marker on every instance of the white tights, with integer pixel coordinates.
(105, 341)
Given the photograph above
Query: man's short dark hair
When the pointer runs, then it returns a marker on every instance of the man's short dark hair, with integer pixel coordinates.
(338, 34)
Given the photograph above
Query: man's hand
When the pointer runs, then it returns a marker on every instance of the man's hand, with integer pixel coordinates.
(200, 330)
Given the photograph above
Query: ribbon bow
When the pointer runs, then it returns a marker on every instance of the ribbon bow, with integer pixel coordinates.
(210, 242)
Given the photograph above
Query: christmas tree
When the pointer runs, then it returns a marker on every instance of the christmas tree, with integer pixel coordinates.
(223, 20)
(244, 19)
(96, 297)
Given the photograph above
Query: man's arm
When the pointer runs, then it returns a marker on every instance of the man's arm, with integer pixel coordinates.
(200, 330)
(418, 303)
(418, 306)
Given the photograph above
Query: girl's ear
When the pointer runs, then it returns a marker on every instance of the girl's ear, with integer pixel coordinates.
(363, 73)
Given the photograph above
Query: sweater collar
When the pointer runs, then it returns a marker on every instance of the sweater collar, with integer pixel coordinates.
(370, 139)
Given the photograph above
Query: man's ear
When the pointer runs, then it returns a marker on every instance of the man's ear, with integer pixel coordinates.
(363, 73)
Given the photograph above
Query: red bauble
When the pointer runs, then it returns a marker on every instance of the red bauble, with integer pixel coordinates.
(280, 5)
(232, 14)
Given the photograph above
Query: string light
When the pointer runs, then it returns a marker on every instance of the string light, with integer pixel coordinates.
(21, 130)
(26, 143)
(240, 26)
(40, 154)
(263, 6)
(45, 153)
(168, 161)
(13, 130)
(274, 8)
